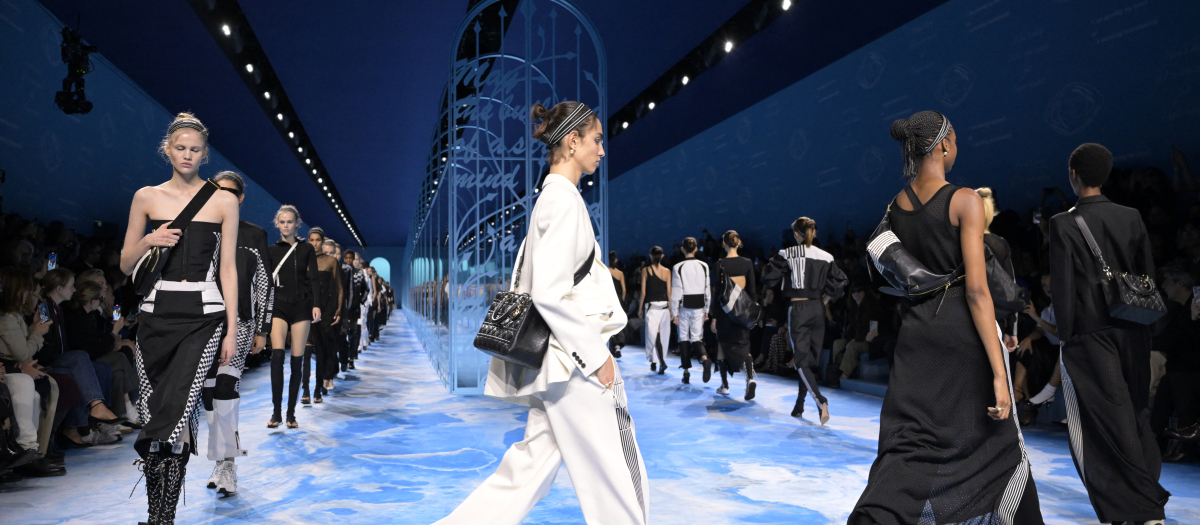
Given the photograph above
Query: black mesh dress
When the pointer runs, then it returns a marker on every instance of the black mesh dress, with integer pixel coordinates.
(942, 460)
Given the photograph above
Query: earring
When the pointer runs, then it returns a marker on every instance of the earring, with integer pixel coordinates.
(572, 152)
(944, 153)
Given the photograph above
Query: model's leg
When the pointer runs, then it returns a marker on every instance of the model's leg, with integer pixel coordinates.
(595, 434)
(299, 338)
(279, 328)
(523, 478)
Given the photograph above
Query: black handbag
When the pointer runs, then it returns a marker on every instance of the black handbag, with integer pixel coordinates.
(1130, 297)
(737, 304)
(149, 268)
(513, 330)
(909, 278)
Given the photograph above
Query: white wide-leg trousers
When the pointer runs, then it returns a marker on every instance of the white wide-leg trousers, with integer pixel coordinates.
(587, 427)
(658, 326)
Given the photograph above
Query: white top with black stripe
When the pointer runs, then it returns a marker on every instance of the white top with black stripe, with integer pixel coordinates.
(690, 285)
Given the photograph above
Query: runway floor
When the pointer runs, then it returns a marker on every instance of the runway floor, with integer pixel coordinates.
(392, 446)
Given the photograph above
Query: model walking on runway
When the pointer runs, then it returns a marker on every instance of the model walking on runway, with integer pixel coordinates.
(321, 337)
(1105, 361)
(733, 339)
(184, 319)
(691, 296)
(255, 293)
(577, 407)
(618, 277)
(949, 452)
(808, 278)
(295, 280)
(654, 307)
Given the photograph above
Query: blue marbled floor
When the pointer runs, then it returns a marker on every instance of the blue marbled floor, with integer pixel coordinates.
(392, 447)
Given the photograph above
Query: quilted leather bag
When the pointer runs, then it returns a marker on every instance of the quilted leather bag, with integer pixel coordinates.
(1129, 296)
(513, 330)
(738, 305)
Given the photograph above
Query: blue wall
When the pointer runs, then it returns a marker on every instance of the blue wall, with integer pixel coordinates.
(80, 168)
(1023, 82)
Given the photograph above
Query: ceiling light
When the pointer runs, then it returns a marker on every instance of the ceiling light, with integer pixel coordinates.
(787, 4)
(651, 106)
(225, 29)
(589, 183)
(685, 80)
(324, 187)
(728, 46)
(318, 178)
(279, 116)
(267, 95)
(249, 68)
(291, 135)
(300, 150)
(328, 194)
(443, 159)
(624, 125)
(314, 173)
(308, 161)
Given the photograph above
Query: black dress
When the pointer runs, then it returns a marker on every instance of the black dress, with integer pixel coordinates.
(182, 322)
(941, 458)
(733, 337)
(329, 299)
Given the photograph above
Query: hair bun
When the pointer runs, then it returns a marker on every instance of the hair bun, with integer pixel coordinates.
(900, 129)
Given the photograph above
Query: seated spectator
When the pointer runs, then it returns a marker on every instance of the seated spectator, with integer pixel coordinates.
(1179, 391)
(84, 332)
(861, 317)
(26, 416)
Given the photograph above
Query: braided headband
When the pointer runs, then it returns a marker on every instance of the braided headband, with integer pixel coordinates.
(576, 117)
(187, 123)
(941, 134)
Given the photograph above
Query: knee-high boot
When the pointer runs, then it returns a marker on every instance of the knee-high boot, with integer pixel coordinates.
(174, 470)
(277, 382)
(294, 386)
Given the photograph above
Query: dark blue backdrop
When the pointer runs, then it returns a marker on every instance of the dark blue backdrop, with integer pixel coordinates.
(80, 168)
(1023, 82)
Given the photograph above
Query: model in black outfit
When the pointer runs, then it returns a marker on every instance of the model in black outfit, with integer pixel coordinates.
(357, 286)
(184, 319)
(347, 317)
(733, 339)
(1105, 361)
(329, 300)
(295, 278)
(949, 452)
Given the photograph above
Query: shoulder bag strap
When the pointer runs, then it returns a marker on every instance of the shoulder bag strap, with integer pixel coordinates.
(516, 276)
(275, 274)
(193, 207)
(1091, 241)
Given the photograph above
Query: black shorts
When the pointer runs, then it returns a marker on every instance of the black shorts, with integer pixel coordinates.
(293, 313)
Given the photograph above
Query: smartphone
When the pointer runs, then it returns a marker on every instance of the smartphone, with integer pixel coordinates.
(874, 325)
(1196, 293)
(42, 312)
(116, 313)
(1037, 217)
(51, 261)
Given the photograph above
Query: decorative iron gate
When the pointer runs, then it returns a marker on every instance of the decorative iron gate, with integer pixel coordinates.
(484, 169)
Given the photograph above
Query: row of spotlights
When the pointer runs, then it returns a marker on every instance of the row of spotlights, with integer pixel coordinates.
(279, 116)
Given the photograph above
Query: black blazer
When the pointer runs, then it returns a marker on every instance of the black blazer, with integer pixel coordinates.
(1079, 303)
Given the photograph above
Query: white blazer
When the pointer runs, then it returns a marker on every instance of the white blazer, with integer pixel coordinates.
(581, 317)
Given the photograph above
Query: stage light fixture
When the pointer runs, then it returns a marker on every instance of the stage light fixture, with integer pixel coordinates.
(787, 4)
(72, 99)
(685, 80)
(225, 29)
(728, 46)
(249, 68)
(651, 106)
(624, 125)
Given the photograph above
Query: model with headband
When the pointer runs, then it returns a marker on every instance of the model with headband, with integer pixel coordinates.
(577, 406)
(184, 319)
(949, 450)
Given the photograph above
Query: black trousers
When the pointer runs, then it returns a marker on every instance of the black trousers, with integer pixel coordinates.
(1106, 380)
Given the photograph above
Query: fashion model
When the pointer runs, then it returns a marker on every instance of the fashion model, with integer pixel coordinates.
(1105, 361)
(577, 407)
(321, 342)
(808, 278)
(733, 339)
(184, 319)
(691, 296)
(949, 452)
(295, 280)
(255, 295)
(654, 307)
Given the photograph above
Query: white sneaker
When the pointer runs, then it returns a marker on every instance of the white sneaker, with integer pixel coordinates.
(723, 390)
(227, 479)
(97, 437)
(215, 477)
(113, 429)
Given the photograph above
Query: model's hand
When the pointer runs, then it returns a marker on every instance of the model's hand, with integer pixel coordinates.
(228, 348)
(260, 342)
(606, 373)
(674, 320)
(316, 315)
(641, 311)
(1010, 342)
(336, 318)
(714, 326)
(163, 236)
(1003, 402)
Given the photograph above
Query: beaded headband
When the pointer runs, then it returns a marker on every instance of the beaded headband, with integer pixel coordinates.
(576, 117)
(187, 123)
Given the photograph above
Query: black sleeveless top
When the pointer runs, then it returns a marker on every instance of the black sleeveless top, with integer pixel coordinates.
(656, 289)
(327, 298)
(197, 255)
(926, 231)
(617, 287)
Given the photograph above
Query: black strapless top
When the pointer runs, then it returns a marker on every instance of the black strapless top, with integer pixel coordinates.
(197, 255)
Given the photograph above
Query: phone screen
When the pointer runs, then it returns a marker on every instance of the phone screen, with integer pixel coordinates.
(1196, 293)
(51, 261)
(42, 312)
(116, 313)
(874, 325)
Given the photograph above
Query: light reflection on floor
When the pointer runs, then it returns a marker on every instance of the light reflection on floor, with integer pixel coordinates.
(392, 447)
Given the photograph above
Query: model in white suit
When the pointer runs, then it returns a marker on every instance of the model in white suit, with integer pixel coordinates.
(573, 416)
